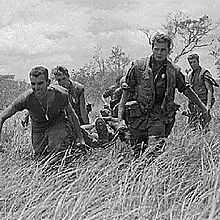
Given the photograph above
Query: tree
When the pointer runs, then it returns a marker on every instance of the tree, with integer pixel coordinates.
(118, 61)
(215, 51)
(191, 33)
(101, 72)
(99, 61)
(187, 34)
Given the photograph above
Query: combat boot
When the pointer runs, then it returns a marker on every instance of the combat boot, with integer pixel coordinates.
(102, 131)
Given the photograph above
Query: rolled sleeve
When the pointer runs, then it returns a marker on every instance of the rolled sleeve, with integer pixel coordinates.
(20, 102)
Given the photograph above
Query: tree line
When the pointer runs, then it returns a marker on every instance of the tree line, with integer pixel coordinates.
(188, 34)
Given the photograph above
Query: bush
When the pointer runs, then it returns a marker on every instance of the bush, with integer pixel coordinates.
(10, 89)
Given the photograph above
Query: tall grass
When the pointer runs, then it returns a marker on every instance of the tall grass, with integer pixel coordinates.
(182, 183)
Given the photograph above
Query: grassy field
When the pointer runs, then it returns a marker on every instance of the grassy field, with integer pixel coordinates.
(182, 183)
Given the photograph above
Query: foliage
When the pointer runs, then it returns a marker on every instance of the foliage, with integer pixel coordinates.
(216, 53)
(182, 183)
(118, 61)
(187, 33)
(10, 89)
(101, 73)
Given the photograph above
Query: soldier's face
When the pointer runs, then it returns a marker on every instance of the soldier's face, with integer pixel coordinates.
(160, 51)
(63, 80)
(39, 85)
(194, 63)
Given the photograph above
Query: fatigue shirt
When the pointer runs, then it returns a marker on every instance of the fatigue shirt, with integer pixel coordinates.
(160, 81)
(75, 91)
(197, 80)
(115, 92)
(42, 118)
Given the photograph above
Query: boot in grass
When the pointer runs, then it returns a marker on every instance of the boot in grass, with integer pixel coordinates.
(102, 131)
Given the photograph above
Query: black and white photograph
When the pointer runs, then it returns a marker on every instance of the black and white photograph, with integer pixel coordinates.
(109, 110)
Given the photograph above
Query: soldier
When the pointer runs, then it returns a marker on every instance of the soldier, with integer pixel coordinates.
(102, 131)
(115, 93)
(76, 93)
(147, 102)
(202, 83)
(54, 122)
(98, 133)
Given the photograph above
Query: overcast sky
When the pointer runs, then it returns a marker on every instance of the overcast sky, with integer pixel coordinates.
(65, 32)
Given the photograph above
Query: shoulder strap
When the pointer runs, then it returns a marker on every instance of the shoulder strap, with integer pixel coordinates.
(202, 72)
(76, 89)
(209, 77)
(59, 88)
(142, 65)
(190, 77)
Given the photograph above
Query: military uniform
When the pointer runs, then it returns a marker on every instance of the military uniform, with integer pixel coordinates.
(76, 90)
(197, 81)
(50, 126)
(150, 110)
(115, 93)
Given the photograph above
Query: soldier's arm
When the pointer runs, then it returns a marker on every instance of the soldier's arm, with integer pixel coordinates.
(105, 96)
(75, 122)
(124, 99)
(209, 88)
(104, 100)
(130, 81)
(192, 96)
(184, 88)
(88, 127)
(83, 110)
(209, 83)
(25, 119)
(195, 99)
(5, 114)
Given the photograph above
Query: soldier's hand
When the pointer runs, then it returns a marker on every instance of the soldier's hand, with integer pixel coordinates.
(24, 121)
(122, 127)
(80, 142)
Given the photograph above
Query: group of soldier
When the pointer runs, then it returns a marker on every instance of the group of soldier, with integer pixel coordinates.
(141, 108)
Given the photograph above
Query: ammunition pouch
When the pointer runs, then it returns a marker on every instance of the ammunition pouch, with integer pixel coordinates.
(133, 114)
(132, 109)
